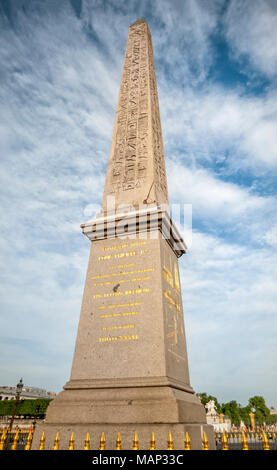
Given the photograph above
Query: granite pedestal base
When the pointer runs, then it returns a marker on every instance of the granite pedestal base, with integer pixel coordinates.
(126, 410)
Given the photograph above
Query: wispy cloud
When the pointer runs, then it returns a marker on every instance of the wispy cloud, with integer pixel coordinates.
(215, 200)
(234, 317)
(60, 73)
(252, 34)
(221, 126)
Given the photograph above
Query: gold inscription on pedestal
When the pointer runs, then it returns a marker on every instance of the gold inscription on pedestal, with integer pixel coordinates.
(124, 254)
(120, 266)
(171, 300)
(111, 294)
(108, 339)
(168, 276)
(127, 292)
(104, 258)
(116, 315)
(121, 281)
(131, 304)
(124, 273)
(118, 247)
(115, 279)
(176, 277)
(117, 327)
(137, 291)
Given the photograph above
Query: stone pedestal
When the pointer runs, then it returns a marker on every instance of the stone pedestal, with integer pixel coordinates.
(127, 432)
(130, 368)
(127, 408)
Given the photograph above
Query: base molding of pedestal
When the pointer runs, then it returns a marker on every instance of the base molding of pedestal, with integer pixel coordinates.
(127, 432)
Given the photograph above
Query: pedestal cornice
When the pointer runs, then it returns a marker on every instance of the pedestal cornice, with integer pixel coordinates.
(135, 382)
(136, 222)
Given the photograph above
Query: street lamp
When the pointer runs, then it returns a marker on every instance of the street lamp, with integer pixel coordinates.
(252, 418)
(18, 391)
(37, 410)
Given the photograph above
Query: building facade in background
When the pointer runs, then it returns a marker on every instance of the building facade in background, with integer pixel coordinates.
(28, 393)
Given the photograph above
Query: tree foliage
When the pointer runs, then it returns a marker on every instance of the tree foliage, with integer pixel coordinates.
(237, 413)
(36, 408)
(262, 413)
(232, 410)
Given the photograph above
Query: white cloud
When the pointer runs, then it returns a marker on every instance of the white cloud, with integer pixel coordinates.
(252, 32)
(214, 122)
(220, 203)
(271, 236)
(186, 53)
(229, 299)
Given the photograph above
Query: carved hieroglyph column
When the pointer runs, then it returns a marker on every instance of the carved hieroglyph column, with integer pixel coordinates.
(136, 170)
(130, 367)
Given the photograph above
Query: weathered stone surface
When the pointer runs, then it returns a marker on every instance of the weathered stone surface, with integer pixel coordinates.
(130, 368)
(131, 322)
(136, 169)
(127, 432)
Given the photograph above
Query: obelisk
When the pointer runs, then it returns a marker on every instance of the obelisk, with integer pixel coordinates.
(130, 368)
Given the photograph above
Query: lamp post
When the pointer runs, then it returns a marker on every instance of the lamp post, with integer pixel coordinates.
(37, 410)
(252, 418)
(18, 391)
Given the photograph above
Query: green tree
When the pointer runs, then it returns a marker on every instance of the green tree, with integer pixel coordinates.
(232, 410)
(244, 415)
(6, 407)
(237, 413)
(35, 407)
(262, 413)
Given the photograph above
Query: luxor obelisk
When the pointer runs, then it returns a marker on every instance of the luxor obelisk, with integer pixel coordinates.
(130, 368)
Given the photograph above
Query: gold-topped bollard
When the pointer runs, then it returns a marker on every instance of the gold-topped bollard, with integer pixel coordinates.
(205, 441)
(102, 442)
(135, 442)
(118, 441)
(244, 441)
(169, 441)
(152, 442)
(265, 441)
(87, 442)
(224, 441)
(71, 442)
(57, 441)
(187, 441)
(3, 439)
(29, 440)
(15, 441)
(42, 442)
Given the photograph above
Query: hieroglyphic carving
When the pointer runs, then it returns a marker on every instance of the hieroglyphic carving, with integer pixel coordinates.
(138, 119)
(124, 162)
(159, 161)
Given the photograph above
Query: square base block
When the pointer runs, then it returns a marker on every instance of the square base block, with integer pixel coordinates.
(127, 431)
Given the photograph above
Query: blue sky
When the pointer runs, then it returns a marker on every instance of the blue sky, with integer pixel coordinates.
(60, 70)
